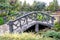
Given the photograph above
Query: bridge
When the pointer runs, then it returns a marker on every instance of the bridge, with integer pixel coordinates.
(29, 19)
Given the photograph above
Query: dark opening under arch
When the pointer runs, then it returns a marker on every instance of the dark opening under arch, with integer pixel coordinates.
(32, 28)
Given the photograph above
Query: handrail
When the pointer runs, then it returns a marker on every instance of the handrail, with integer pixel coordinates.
(33, 13)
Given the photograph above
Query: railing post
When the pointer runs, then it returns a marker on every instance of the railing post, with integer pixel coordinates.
(52, 20)
(20, 26)
(10, 26)
(20, 22)
(36, 17)
(37, 27)
(47, 19)
(27, 19)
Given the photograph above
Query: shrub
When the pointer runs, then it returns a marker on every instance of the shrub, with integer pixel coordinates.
(57, 26)
(12, 13)
(1, 21)
(52, 34)
(3, 14)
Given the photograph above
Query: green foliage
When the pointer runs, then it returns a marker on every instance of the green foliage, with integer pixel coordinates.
(40, 17)
(4, 5)
(1, 21)
(16, 6)
(53, 6)
(52, 34)
(11, 8)
(12, 13)
(57, 26)
(3, 14)
(3, 1)
(56, 6)
(38, 6)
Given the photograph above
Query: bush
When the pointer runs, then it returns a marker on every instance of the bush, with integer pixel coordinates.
(57, 26)
(1, 21)
(12, 13)
(23, 36)
(3, 14)
(52, 34)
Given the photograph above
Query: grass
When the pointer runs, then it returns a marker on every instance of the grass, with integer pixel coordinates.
(23, 36)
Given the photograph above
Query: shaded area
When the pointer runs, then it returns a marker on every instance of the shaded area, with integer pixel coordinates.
(32, 28)
(42, 27)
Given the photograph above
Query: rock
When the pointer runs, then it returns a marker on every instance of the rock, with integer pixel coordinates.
(4, 28)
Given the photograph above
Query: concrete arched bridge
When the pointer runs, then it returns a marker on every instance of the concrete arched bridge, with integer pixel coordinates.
(27, 20)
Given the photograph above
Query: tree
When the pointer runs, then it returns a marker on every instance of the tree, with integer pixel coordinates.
(4, 5)
(56, 6)
(15, 5)
(53, 6)
(4, 1)
(38, 6)
(33, 7)
(24, 6)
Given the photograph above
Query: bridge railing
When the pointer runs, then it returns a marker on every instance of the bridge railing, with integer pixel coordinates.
(30, 17)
